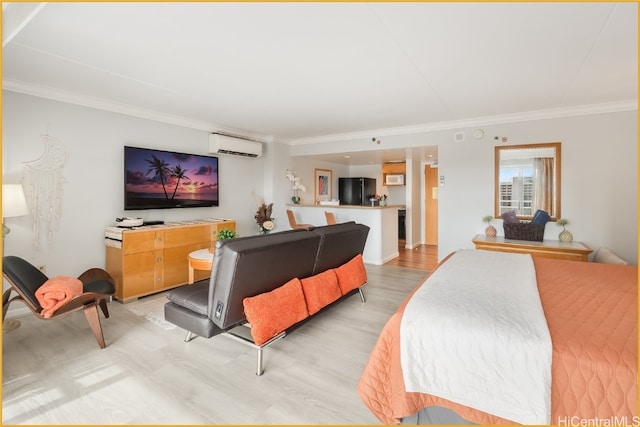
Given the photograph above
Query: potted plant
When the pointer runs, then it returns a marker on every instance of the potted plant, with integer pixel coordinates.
(490, 231)
(297, 186)
(226, 233)
(565, 235)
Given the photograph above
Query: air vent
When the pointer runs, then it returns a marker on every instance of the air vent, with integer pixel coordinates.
(225, 144)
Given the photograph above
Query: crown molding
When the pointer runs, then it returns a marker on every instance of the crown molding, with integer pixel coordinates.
(116, 107)
(552, 113)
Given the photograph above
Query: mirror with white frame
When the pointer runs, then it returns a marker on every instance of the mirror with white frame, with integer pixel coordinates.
(527, 178)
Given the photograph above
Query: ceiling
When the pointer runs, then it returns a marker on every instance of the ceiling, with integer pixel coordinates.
(305, 72)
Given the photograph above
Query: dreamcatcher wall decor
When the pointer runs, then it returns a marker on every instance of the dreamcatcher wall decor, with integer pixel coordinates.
(43, 186)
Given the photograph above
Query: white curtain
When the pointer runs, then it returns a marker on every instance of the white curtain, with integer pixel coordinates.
(543, 184)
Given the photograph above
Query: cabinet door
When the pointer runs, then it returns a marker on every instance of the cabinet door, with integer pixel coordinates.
(176, 265)
(139, 274)
(394, 168)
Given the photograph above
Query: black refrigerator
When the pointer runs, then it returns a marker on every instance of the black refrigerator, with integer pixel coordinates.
(356, 191)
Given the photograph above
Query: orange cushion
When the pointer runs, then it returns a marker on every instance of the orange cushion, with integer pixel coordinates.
(320, 290)
(351, 275)
(272, 312)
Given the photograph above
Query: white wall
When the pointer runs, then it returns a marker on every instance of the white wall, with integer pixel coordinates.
(93, 189)
(397, 194)
(599, 177)
(305, 169)
(599, 181)
(415, 203)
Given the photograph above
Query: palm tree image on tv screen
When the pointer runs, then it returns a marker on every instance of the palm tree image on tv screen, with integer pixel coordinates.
(157, 179)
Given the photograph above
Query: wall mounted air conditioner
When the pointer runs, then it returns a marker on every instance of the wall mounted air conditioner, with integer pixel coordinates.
(224, 144)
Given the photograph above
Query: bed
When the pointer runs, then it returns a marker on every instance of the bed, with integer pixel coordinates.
(591, 312)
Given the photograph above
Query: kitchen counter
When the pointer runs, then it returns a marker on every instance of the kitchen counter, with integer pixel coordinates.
(348, 206)
(382, 242)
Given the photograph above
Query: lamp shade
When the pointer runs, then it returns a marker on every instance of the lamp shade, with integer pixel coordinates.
(13, 201)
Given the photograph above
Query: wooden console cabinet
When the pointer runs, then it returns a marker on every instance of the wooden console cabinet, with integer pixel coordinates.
(574, 251)
(152, 259)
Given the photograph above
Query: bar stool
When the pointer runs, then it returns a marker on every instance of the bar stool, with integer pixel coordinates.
(294, 224)
(331, 218)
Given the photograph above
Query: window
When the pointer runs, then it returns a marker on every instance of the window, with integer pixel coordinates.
(516, 188)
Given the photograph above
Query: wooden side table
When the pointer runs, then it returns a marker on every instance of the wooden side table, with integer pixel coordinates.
(573, 251)
(199, 260)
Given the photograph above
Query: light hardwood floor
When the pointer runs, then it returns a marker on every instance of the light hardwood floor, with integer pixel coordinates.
(424, 257)
(55, 373)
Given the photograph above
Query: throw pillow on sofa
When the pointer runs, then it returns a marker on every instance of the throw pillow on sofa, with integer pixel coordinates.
(272, 312)
(320, 290)
(351, 275)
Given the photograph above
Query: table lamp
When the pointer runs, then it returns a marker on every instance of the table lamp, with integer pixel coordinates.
(13, 204)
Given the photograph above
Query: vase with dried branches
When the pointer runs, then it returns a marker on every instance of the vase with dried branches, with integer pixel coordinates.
(263, 218)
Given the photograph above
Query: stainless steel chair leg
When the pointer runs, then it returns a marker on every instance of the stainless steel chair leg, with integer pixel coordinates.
(258, 348)
(361, 294)
(190, 336)
(259, 370)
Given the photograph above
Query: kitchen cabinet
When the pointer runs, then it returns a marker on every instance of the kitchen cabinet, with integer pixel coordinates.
(393, 169)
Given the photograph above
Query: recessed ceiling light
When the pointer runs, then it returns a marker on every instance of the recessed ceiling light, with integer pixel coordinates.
(347, 157)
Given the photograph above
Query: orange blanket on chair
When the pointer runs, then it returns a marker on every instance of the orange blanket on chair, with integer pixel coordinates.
(55, 292)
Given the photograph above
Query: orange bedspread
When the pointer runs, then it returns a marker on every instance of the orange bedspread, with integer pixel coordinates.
(592, 312)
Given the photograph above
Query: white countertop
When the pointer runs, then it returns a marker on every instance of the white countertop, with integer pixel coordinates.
(346, 206)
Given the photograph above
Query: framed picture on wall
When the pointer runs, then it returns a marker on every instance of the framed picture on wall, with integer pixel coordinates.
(322, 184)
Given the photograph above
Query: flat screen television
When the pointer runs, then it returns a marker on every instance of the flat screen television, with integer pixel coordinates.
(158, 179)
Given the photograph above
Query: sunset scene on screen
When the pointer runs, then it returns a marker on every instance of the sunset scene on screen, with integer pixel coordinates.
(169, 178)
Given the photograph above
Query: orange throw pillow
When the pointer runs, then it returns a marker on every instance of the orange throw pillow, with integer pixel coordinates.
(272, 312)
(351, 275)
(320, 290)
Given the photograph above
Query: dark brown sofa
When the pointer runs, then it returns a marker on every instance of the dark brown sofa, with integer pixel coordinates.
(249, 266)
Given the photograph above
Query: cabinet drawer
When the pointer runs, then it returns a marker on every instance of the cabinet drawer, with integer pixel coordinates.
(574, 251)
(175, 237)
(141, 241)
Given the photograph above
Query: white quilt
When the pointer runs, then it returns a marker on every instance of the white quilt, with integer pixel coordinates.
(475, 333)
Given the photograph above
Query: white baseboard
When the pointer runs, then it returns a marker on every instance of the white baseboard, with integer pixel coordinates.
(415, 245)
(382, 261)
